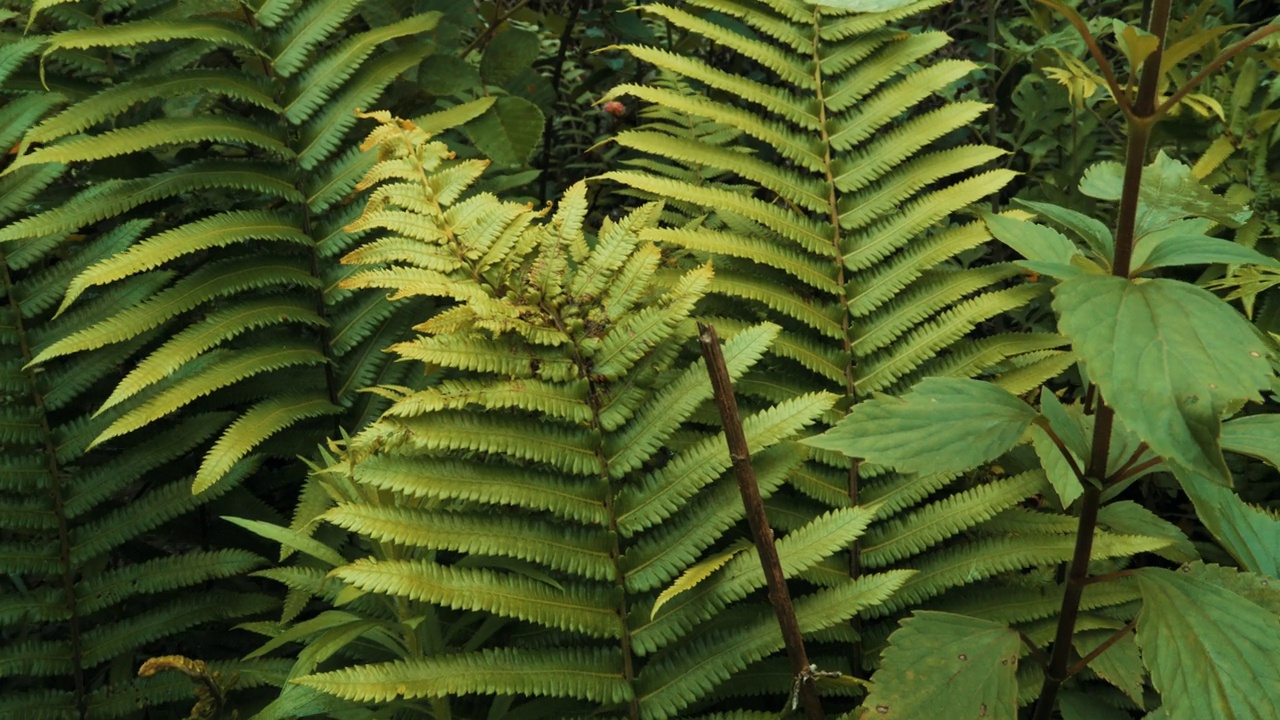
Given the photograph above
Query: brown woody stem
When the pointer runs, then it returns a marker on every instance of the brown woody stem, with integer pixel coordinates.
(761, 533)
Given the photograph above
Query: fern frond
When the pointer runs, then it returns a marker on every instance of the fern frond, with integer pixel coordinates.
(580, 551)
(212, 232)
(253, 427)
(575, 608)
(156, 134)
(971, 562)
(594, 675)
(660, 493)
(912, 534)
(495, 485)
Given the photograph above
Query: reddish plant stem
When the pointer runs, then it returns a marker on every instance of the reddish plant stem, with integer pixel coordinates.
(761, 533)
(1141, 117)
(1119, 634)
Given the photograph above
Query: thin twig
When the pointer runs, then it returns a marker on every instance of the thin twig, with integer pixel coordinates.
(1217, 62)
(488, 32)
(761, 533)
(1073, 17)
(1084, 661)
(1062, 447)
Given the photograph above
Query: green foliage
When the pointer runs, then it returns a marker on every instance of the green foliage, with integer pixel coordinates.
(529, 514)
(1207, 646)
(1165, 363)
(951, 665)
(587, 383)
(942, 424)
(173, 196)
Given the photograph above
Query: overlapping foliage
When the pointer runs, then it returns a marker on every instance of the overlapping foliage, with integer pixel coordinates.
(174, 194)
(545, 495)
(520, 513)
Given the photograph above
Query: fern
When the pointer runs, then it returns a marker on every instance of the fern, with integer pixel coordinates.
(548, 493)
(171, 216)
(837, 213)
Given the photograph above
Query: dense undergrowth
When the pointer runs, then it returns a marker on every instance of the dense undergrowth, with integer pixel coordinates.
(419, 427)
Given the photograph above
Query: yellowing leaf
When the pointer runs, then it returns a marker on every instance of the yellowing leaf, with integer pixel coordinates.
(698, 572)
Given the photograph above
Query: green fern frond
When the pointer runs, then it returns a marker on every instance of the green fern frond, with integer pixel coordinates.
(156, 134)
(676, 680)
(594, 675)
(572, 607)
(661, 493)
(579, 551)
(974, 561)
(253, 427)
(495, 485)
(912, 534)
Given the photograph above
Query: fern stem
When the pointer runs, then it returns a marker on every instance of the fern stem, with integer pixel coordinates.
(761, 533)
(846, 330)
(59, 506)
(615, 548)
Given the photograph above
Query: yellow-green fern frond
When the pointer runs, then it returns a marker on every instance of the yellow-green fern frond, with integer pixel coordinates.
(558, 470)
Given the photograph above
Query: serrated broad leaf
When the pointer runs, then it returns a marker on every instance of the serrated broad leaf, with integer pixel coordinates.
(1091, 230)
(1211, 652)
(1255, 435)
(1120, 664)
(942, 665)
(1031, 241)
(1251, 535)
(508, 132)
(1169, 192)
(1176, 250)
(1169, 357)
(941, 425)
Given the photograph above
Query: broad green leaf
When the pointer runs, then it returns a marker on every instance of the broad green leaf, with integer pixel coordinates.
(942, 665)
(1169, 192)
(508, 132)
(1031, 241)
(1169, 357)
(1120, 664)
(510, 53)
(1251, 535)
(1256, 436)
(1056, 467)
(1092, 231)
(941, 425)
(291, 539)
(698, 572)
(1211, 652)
(1069, 430)
(1198, 250)
(1262, 590)
(1129, 518)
